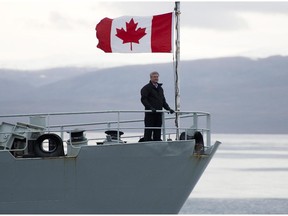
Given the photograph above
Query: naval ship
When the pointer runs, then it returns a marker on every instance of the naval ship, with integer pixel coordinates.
(95, 162)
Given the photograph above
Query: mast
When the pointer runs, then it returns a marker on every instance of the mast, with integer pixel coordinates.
(176, 77)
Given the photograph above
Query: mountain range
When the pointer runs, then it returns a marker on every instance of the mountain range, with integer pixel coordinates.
(243, 95)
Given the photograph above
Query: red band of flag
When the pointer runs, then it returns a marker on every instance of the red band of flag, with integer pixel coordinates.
(103, 32)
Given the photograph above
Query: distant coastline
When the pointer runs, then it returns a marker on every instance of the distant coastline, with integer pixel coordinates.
(243, 95)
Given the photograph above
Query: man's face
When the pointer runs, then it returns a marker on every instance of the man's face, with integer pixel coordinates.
(154, 78)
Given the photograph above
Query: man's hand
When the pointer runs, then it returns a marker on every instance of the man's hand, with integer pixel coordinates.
(153, 110)
(171, 111)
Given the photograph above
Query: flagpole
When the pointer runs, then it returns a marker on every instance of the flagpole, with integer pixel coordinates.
(177, 55)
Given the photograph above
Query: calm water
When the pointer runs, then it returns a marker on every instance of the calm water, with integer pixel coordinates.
(248, 175)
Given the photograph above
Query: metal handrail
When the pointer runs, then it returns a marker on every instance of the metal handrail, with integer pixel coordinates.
(61, 128)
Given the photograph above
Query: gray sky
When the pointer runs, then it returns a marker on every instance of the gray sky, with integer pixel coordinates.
(55, 33)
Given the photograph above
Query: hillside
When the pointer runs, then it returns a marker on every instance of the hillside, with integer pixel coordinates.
(243, 95)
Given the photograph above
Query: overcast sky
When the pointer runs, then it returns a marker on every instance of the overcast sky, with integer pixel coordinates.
(38, 34)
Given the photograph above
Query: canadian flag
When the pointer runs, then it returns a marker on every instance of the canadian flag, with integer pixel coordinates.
(134, 34)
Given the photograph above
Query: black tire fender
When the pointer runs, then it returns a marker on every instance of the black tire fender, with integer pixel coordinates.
(55, 143)
(199, 142)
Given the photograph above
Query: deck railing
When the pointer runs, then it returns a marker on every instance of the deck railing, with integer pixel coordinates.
(131, 122)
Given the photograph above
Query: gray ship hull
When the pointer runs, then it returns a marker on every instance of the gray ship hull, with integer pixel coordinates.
(122, 178)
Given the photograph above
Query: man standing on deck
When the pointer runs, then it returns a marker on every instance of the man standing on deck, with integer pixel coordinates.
(152, 97)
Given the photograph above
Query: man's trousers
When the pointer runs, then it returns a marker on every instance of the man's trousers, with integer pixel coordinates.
(153, 120)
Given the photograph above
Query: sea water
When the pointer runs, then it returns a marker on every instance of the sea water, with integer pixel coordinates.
(247, 175)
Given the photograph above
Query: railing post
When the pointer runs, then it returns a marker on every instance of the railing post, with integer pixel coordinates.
(118, 126)
(163, 126)
(208, 130)
(195, 121)
(62, 132)
(48, 122)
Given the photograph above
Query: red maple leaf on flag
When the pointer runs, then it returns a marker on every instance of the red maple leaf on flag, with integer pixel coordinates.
(131, 35)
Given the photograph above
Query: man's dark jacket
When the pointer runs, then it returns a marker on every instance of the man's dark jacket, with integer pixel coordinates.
(152, 97)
